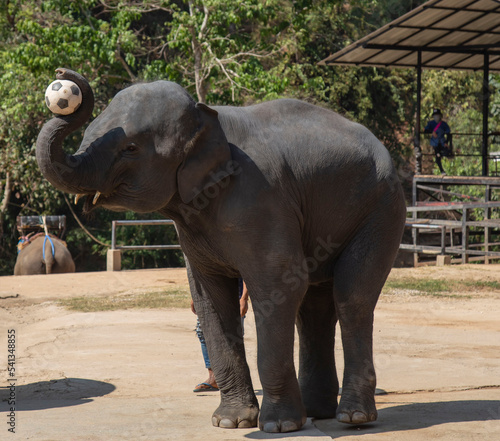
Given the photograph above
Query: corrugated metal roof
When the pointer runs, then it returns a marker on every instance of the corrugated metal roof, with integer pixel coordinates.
(450, 34)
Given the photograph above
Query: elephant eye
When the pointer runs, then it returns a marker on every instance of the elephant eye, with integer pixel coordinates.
(131, 148)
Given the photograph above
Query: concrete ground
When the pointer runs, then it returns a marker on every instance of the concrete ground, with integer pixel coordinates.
(128, 374)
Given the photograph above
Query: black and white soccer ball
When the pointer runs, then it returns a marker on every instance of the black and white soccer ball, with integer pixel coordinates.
(63, 97)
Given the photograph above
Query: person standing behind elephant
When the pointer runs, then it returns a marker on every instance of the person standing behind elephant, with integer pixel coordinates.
(210, 385)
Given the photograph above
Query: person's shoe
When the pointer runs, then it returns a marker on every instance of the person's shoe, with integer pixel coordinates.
(205, 387)
(443, 173)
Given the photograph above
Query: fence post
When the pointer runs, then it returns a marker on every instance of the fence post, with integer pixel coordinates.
(414, 231)
(465, 237)
(114, 260)
(443, 260)
(443, 240)
(113, 256)
(487, 235)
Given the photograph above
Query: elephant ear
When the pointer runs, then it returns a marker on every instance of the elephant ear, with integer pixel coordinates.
(207, 157)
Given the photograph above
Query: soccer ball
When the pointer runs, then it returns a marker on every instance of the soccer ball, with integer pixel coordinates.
(63, 97)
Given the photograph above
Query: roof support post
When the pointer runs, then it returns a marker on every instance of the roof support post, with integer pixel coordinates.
(485, 96)
(416, 141)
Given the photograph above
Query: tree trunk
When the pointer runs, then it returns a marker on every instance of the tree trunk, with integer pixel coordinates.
(201, 91)
(7, 191)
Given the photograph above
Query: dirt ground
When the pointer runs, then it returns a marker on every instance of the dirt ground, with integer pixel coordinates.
(128, 374)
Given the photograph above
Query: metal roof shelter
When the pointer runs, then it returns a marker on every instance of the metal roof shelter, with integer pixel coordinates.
(440, 34)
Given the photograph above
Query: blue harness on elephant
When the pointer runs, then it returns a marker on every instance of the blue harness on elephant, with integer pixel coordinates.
(20, 244)
(51, 244)
(25, 241)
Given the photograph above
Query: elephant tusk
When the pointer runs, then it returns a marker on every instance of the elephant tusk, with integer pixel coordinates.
(97, 194)
(77, 197)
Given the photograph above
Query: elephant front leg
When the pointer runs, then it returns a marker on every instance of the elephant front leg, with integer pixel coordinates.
(217, 304)
(282, 408)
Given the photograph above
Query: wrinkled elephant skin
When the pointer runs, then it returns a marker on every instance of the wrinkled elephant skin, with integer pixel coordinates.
(303, 204)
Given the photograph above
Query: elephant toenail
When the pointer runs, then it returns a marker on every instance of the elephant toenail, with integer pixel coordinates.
(215, 421)
(343, 418)
(289, 426)
(359, 418)
(244, 424)
(226, 423)
(271, 428)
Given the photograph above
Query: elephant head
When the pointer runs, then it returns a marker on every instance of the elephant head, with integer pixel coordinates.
(151, 142)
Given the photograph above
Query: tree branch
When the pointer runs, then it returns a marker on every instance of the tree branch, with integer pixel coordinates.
(87, 16)
(134, 7)
(197, 52)
(124, 64)
(226, 73)
(203, 27)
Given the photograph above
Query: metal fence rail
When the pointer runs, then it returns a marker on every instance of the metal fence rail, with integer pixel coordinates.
(128, 223)
(444, 226)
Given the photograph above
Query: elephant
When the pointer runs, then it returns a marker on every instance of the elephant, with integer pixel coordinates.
(301, 203)
(30, 259)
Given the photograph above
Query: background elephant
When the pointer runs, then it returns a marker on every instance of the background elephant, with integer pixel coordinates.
(301, 203)
(30, 259)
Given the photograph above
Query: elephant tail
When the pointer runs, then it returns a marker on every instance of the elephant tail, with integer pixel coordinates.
(48, 254)
(48, 264)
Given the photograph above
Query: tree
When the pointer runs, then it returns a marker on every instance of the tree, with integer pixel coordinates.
(319, 28)
(113, 44)
(211, 47)
(222, 52)
(37, 37)
(223, 38)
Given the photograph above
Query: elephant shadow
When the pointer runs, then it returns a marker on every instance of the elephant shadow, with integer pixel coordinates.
(64, 392)
(414, 416)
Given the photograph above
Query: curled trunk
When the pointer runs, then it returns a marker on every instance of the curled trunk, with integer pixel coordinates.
(65, 172)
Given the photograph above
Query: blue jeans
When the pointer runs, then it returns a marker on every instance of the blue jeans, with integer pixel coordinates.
(204, 350)
(201, 337)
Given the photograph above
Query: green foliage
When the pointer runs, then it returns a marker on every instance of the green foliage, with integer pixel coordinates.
(38, 37)
(222, 52)
(459, 96)
(317, 29)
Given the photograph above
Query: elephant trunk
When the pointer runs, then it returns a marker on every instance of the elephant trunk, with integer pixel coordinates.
(63, 171)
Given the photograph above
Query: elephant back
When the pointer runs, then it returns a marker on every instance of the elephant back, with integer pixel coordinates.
(25, 241)
(43, 254)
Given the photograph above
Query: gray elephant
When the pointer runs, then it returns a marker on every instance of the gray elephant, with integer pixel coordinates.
(33, 260)
(301, 203)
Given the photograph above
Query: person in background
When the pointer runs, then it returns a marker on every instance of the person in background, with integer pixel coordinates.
(440, 137)
(210, 385)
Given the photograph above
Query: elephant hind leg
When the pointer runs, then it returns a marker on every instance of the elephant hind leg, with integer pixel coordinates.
(318, 380)
(62, 261)
(359, 276)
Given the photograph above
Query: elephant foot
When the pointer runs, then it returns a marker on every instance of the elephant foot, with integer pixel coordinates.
(354, 411)
(321, 409)
(235, 417)
(320, 397)
(277, 417)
